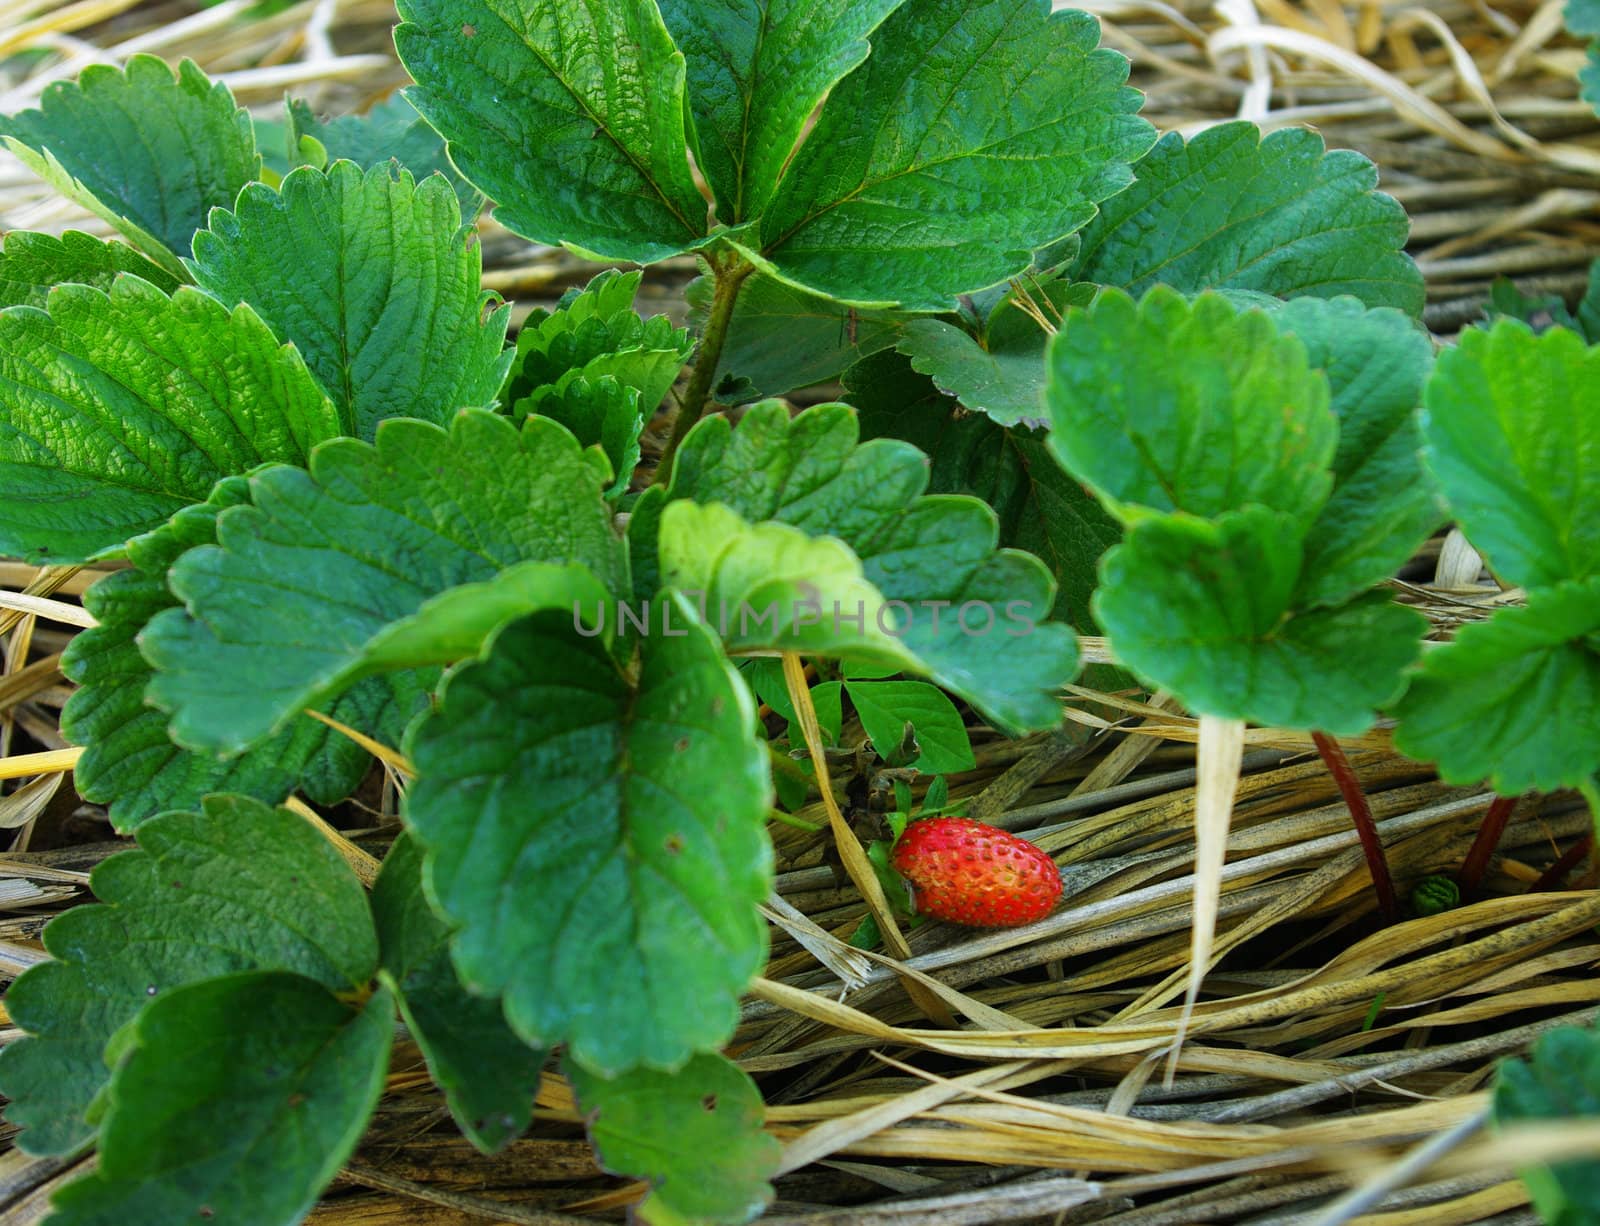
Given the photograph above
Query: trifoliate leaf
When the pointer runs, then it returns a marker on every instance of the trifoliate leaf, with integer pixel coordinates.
(488, 1075)
(1166, 405)
(695, 1134)
(598, 836)
(129, 762)
(150, 151)
(390, 131)
(569, 115)
(596, 334)
(384, 302)
(999, 109)
(783, 337)
(1515, 699)
(603, 413)
(977, 615)
(32, 264)
(773, 586)
(885, 707)
(757, 70)
(1384, 502)
(228, 889)
(1558, 1082)
(360, 555)
(1204, 608)
(244, 1097)
(1002, 374)
(118, 410)
(1232, 209)
(1513, 430)
(1042, 510)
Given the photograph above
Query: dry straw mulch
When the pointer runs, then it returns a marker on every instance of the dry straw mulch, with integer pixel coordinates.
(1334, 1066)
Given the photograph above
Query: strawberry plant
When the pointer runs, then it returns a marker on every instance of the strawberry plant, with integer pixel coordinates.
(1559, 1080)
(345, 505)
(1267, 464)
(1513, 436)
(293, 378)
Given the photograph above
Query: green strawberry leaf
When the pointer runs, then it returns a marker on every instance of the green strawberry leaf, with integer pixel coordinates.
(885, 707)
(360, 555)
(1204, 608)
(129, 762)
(570, 115)
(1513, 430)
(597, 834)
(1232, 209)
(595, 334)
(227, 889)
(390, 131)
(764, 676)
(695, 1134)
(757, 70)
(783, 337)
(385, 302)
(149, 150)
(118, 410)
(488, 1075)
(602, 414)
(773, 586)
(33, 264)
(1042, 510)
(1384, 502)
(1559, 1081)
(828, 699)
(1589, 304)
(1515, 699)
(1540, 312)
(936, 555)
(1583, 19)
(905, 184)
(1166, 405)
(241, 1101)
(1003, 374)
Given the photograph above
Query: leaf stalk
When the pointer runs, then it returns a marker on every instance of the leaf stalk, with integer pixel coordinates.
(1554, 876)
(1488, 838)
(1333, 757)
(730, 273)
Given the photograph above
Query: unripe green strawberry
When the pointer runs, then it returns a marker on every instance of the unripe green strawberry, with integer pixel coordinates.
(971, 873)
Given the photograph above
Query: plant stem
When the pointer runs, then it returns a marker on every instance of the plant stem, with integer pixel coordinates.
(1356, 801)
(1557, 873)
(855, 860)
(730, 273)
(789, 819)
(1488, 838)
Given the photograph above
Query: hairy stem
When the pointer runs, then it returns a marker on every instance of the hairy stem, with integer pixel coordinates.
(1556, 874)
(730, 272)
(1356, 801)
(1488, 838)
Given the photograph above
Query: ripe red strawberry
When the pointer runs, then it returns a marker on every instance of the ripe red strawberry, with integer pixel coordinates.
(971, 873)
